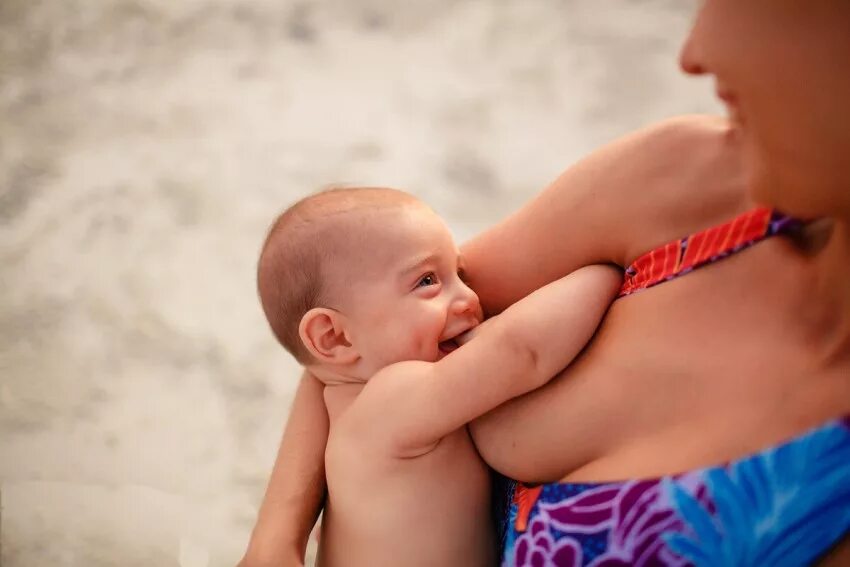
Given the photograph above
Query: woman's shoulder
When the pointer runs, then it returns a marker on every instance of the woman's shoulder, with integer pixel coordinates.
(673, 178)
(683, 154)
(688, 128)
(688, 159)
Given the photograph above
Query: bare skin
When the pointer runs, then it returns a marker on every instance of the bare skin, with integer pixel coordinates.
(669, 162)
(403, 477)
(734, 357)
(380, 503)
(296, 488)
(746, 353)
(697, 406)
(714, 358)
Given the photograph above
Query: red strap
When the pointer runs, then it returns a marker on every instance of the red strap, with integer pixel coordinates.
(681, 256)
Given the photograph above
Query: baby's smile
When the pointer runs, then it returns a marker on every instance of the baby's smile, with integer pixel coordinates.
(448, 346)
(451, 344)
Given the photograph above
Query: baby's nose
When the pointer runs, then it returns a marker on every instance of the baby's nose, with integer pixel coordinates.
(467, 302)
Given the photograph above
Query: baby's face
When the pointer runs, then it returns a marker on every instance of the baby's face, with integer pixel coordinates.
(402, 292)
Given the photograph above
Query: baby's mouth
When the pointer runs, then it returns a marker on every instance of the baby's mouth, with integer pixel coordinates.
(448, 346)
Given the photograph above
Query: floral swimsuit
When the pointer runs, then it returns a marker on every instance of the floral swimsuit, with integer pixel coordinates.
(786, 505)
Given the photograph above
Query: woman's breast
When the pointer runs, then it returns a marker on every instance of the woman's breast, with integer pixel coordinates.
(672, 377)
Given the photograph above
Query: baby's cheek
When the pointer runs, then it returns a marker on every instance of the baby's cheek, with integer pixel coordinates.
(402, 344)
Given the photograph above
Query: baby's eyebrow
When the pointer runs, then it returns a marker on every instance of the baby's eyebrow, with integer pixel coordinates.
(418, 263)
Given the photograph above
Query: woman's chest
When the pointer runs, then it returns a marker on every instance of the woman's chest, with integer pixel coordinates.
(702, 372)
(693, 372)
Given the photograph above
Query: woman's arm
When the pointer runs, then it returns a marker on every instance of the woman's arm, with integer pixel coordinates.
(296, 488)
(637, 192)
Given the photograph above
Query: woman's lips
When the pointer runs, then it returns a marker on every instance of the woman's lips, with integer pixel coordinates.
(726, 96)
(731, 102)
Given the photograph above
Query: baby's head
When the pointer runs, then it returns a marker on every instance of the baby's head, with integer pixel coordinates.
(352, 280)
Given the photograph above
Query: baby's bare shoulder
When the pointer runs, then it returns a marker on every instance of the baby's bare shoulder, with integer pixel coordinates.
(393, 381)
(373, 409)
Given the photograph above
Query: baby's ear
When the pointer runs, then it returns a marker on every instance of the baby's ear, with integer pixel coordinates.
(323, 333)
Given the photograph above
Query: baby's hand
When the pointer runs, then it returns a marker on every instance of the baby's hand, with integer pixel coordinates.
(464, 338)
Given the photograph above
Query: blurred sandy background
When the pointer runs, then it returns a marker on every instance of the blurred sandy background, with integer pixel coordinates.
(144, 148)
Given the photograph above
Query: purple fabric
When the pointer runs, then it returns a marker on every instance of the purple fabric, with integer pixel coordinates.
(795, 492)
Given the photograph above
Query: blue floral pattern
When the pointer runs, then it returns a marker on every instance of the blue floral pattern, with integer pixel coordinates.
(786, 505)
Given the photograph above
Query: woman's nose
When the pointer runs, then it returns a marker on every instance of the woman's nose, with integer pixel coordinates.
(690, 55)
(689, 59)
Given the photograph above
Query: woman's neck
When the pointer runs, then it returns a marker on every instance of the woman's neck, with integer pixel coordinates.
(829, 300)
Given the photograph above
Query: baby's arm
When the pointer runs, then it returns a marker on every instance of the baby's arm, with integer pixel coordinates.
(408, 407)
(297, 485)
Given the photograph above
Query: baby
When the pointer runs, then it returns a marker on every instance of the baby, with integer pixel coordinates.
(365, 288)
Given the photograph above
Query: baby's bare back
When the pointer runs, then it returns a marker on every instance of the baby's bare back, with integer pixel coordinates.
(433, 509)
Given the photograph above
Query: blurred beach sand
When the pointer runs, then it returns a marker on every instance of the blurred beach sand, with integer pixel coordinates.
(144, 148)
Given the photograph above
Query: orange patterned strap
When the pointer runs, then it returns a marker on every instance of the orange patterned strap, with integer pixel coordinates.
(681, 256)
(525, 497)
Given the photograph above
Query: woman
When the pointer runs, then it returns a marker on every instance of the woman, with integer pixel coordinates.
(744, 361)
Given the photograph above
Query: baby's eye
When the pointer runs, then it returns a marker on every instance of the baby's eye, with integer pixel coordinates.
(427, 280)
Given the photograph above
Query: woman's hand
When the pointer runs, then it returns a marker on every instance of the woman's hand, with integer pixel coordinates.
(296, 488)
(257, 559)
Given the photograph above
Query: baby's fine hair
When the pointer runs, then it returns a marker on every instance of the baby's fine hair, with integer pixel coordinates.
(301, 242)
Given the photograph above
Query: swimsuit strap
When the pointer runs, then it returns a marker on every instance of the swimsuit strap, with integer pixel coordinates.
(685, 255)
